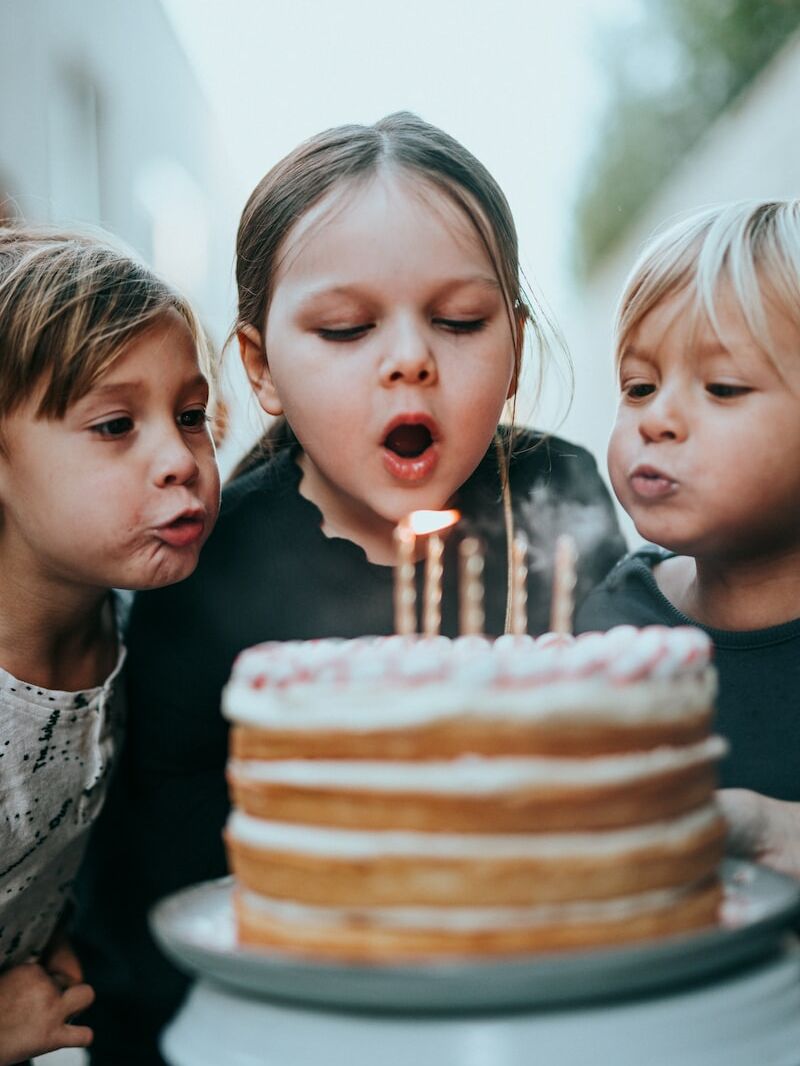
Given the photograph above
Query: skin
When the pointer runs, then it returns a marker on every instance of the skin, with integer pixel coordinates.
(84, 501)
(385, 304)
(720, 421)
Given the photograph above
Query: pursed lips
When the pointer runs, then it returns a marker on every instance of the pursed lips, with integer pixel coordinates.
(648, 482)
(182, 529)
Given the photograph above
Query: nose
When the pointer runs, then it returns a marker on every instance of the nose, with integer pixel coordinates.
(175, 462)
(408, 358)
(664, 418)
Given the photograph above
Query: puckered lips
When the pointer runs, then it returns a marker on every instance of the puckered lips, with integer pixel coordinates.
(410, 446)
(183, 529)
(650, 483)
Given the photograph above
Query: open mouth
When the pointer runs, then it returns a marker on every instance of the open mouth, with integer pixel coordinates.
(408, 441)
(410, 451)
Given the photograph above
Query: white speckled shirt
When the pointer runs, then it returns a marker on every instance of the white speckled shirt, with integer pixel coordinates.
(56, 755)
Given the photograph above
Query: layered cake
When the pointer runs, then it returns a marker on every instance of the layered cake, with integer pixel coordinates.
(398, 798)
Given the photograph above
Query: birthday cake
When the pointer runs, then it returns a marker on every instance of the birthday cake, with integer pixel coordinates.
(404, 797)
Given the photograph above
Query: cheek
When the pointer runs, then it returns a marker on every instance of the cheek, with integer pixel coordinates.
(616, 458)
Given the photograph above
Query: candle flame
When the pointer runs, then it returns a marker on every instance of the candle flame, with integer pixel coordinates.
(422, 522)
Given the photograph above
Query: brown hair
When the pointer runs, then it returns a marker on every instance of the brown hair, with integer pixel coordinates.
(349, 153)
(69, 304)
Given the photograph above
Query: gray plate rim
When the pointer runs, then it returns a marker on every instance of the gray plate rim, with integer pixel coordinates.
(531, 981)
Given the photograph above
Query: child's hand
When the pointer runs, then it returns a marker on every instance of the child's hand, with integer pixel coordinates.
(35, 1013)
(61, 963)
(762, 829)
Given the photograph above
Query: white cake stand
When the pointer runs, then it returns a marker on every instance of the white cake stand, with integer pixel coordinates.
(749, 1017)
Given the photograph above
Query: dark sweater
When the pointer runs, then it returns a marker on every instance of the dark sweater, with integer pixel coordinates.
(758, 708)
(269, 573)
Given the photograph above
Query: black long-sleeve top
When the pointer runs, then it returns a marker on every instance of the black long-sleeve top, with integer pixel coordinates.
(268, 572)
(758, 706)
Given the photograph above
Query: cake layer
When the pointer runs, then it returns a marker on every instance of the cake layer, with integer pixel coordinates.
(386, 935)
(470, 735)
(392, 868)
(480, 795)
(411, 699)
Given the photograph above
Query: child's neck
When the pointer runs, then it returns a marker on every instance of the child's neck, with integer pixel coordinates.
(54, 636)
(734, 595)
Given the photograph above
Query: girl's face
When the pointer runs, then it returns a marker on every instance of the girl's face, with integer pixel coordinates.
(389, 350)
(123, 491)
(705, 453)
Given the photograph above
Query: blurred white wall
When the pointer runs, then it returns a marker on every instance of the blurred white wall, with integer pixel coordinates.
(752, 150)
(102, 121)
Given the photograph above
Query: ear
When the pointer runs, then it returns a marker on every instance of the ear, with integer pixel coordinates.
(254, 360)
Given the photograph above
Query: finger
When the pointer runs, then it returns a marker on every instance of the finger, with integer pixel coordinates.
(77, 998)
(64, 963)
(75, 1036)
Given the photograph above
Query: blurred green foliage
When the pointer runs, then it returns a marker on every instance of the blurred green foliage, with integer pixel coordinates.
(669, 75)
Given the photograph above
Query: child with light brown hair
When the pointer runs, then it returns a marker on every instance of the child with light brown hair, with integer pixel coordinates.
(108, 481)
(705, 457)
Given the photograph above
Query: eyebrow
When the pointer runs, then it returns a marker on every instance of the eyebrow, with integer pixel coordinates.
(125, 388)
(706, 350)
(485, 281)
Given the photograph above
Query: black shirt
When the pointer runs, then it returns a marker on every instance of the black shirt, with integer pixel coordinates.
(758, 707)
(269, 573)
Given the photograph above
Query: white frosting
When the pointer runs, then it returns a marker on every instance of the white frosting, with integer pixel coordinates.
(364, 844)
(623, 654)
(472, 774)
(466, 919)
(366, 707)
(627, 675)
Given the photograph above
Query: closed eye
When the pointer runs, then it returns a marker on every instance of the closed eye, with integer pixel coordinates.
(113, 427)
(461, 325)
(727, 392)
(351, 333)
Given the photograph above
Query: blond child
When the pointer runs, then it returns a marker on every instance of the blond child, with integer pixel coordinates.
(107, 481)
(705, 457)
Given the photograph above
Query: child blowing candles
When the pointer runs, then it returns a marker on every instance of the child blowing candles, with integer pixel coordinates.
(107, 480)
(381, 319)
(705, 457)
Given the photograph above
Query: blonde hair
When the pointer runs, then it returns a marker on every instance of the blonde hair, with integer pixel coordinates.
(751, 247)
(69, 305)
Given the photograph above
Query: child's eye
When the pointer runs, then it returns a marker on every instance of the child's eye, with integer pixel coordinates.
(194, 418)
(114, 427)
(726, 392)
(461, 325)
(351, 333)
(638, 391)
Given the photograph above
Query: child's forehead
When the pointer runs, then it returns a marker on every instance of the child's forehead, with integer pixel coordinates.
(349, 210)
(714, 322)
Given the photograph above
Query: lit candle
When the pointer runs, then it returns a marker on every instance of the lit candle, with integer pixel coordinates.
(564, 578)
(432, 602)
(470, 586)
(519, 585)
(405, 591)
(414, 525)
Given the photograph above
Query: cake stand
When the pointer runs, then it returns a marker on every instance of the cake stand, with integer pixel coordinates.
(725, 997)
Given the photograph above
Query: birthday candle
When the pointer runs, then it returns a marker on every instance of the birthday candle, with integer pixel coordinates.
(470, 586)
(564, 579)
(519, 584)
(432, 602)
(405, 592)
